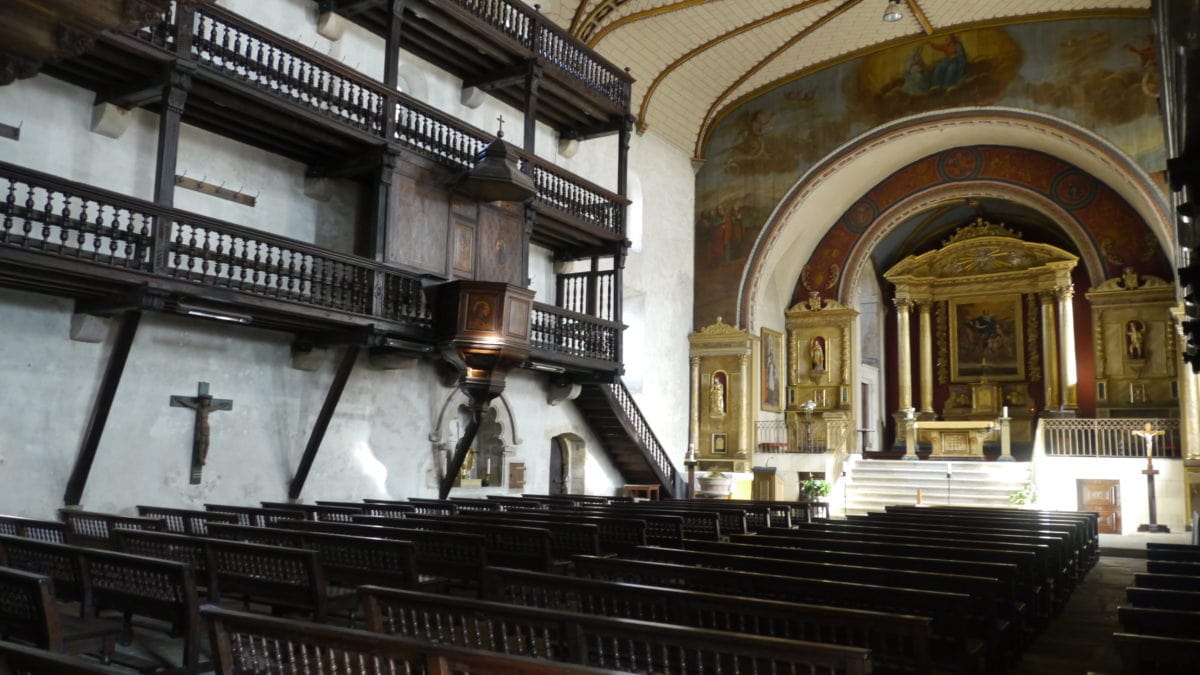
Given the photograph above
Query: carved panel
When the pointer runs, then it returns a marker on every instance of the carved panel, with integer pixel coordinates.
(419, 218)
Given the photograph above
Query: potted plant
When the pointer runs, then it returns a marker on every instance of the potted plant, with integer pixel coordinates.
(814, 488)
(1026, 496)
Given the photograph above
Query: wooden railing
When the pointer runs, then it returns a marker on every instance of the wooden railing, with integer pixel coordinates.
(592, 293)
(1109, 437)
(641, 426)
(70, 220)
(574, 334)
(253, 55)
(550, 42)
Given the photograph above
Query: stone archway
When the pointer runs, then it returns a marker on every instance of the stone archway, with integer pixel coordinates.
(568, 459)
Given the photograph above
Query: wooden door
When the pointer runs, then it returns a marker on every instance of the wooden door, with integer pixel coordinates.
(1103, 497)
(558, 467)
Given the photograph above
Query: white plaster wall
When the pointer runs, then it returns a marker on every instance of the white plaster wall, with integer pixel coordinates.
(376, 446)
(1057, 489)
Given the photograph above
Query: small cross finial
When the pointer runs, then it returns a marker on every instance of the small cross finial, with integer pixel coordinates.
(500, 131)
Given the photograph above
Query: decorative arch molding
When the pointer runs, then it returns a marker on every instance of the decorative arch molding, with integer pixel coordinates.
(818, 203)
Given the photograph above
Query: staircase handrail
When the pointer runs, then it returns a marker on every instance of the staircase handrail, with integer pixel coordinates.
(650, 444)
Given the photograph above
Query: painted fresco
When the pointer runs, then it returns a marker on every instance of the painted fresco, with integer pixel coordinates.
(1096, 73)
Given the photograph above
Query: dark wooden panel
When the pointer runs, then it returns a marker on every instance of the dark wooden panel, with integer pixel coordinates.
(499, 249)
(418, 217)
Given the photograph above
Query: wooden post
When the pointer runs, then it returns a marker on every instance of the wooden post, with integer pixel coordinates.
(460, 453)
(1147, 435)
(101, 407)
(322, 424)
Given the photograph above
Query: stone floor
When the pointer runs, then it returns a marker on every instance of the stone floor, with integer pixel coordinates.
(1079, 640)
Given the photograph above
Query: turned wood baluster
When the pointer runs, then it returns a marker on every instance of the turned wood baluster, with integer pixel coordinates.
(220, 255)
(292, 279)
(81, 231)
(64, 232)
(255, 265)
(191, 250)
(29, 216)
(239, 60)
(219, 45)
(239, 251)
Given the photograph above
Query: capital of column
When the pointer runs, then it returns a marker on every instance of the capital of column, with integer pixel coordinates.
(903, 304)
(1064, 293)
(694, 360)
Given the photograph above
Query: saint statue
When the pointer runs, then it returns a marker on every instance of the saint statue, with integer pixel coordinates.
(1135, 334)
(716, 397)
(817, 355)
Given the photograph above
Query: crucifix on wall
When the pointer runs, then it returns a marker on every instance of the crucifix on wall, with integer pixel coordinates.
(203, 404)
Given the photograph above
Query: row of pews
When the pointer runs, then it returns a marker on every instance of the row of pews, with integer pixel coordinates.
(553, 584)
(1161, 622)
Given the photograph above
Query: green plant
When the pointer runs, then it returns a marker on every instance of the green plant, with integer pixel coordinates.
(1025, 496)
(815, 487)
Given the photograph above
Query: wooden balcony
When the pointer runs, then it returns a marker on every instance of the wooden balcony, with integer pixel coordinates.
(494, 44)
(69, 239)
(261, 88)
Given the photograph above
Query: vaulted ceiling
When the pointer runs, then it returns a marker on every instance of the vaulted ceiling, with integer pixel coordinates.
(694, 59)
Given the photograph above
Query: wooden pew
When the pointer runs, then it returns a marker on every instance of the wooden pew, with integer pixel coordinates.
(90, 528)
(433, 506)
(954, 648)
(507, 545)
(623, 644)
(349, 560)
(731, 520)
(1173, 552)
(566, 539)
(1166, 622)
(1169, 567)
(185, 521)
(1159, 598)
(61, 562)
(21, 660)
(333, 514)
(181, 548)
(898, 643)
(615, 534)
(283, 578)
(1154, 655)
(465, 504)
(579, 499)
(781, 513)
(992, 617)
(661, 529)
(29, 612)
(395, 510)
(42, 530)
(325, 650)
(1175, 582)
(695, 524)
(254, 515)
(458, 558)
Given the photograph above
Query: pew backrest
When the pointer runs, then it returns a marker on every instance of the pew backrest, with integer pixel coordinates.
(254, 515)
(333, 514)
(509, 545)
(1166, 622)
(273, 575)
(21, 660)
(1157, 655)
(28, 611)
(92, 528)
(42, 530)
(61, 562)
(185, 521)
(166, 546)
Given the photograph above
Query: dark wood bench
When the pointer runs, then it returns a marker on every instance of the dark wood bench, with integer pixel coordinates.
(992, 616)
(42, 530)
(254, 515)
(898, 643)
(954, 648)
(781, 513)
(1175, 582)
(185, 521)
(282, 578)
(1160, 598)
(21, 660)
(183, 548)
(333, 514)
(1166, 622)
(90, 528)
(567, 537)
(615, 534)
(1173, 552)
(694, 524)
(467, 504)
(1155, 655)
(432, 506)
(729, 520)
(61, 562)
(313, 649)
(398, 510)
(579, 499)
(507, 545)
(1190, 569)
(458, 558)
(29, 612)
(623, 644)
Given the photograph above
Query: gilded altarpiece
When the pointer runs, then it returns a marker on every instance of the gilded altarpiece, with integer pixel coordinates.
(1135, 346)
(980, 288)
(724, 393)
(819, 369)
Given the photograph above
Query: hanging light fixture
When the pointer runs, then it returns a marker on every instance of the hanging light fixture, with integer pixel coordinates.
(893, 14)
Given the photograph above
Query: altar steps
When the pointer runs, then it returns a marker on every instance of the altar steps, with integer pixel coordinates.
(874, 484)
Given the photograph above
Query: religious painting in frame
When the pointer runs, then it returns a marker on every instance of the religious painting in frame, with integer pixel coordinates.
(771, 374)
(986, 340)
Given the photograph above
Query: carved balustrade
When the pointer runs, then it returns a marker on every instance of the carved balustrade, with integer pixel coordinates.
(574, 334)
(575, 291)
(253, 55)
(641, 427)
(1109, 437)
(69, 220)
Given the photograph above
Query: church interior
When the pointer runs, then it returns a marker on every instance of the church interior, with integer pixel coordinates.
(574, 336)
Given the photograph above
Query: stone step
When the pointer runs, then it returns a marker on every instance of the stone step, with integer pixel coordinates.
(872, 485)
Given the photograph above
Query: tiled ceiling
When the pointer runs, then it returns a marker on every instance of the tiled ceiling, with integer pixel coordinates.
(694, 58)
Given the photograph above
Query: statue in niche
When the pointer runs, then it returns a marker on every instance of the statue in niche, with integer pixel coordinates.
(716, 395)
(816, 353)
(1129, 279)
(1135, 340)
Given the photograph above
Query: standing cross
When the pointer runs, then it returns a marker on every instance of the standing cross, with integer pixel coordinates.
(1148, 434)
(500, 132)
(202, 403)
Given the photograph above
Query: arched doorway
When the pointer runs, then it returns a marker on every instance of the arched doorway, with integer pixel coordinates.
(567, 462)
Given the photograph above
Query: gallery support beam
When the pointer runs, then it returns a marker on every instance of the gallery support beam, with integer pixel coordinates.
(127, 329)
(323, 418)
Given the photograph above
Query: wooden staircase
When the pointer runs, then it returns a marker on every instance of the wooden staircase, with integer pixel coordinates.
(614, 417)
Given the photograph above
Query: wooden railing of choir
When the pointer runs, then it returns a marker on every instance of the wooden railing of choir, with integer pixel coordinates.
(591, 293)
(255, 56)
(65, 219)
(246, 644)
(562, 331)
(1102, 437)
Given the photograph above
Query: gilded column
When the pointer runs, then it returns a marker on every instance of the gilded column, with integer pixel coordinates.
(925, 308)
(694, 424)
(1066, 334)
(903, 354)
(1049, 350)
(747, 436)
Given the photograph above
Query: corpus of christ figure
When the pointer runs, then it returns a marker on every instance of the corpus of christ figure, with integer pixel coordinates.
(203, 404)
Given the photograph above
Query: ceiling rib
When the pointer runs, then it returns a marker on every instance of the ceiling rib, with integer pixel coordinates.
(638, 16)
